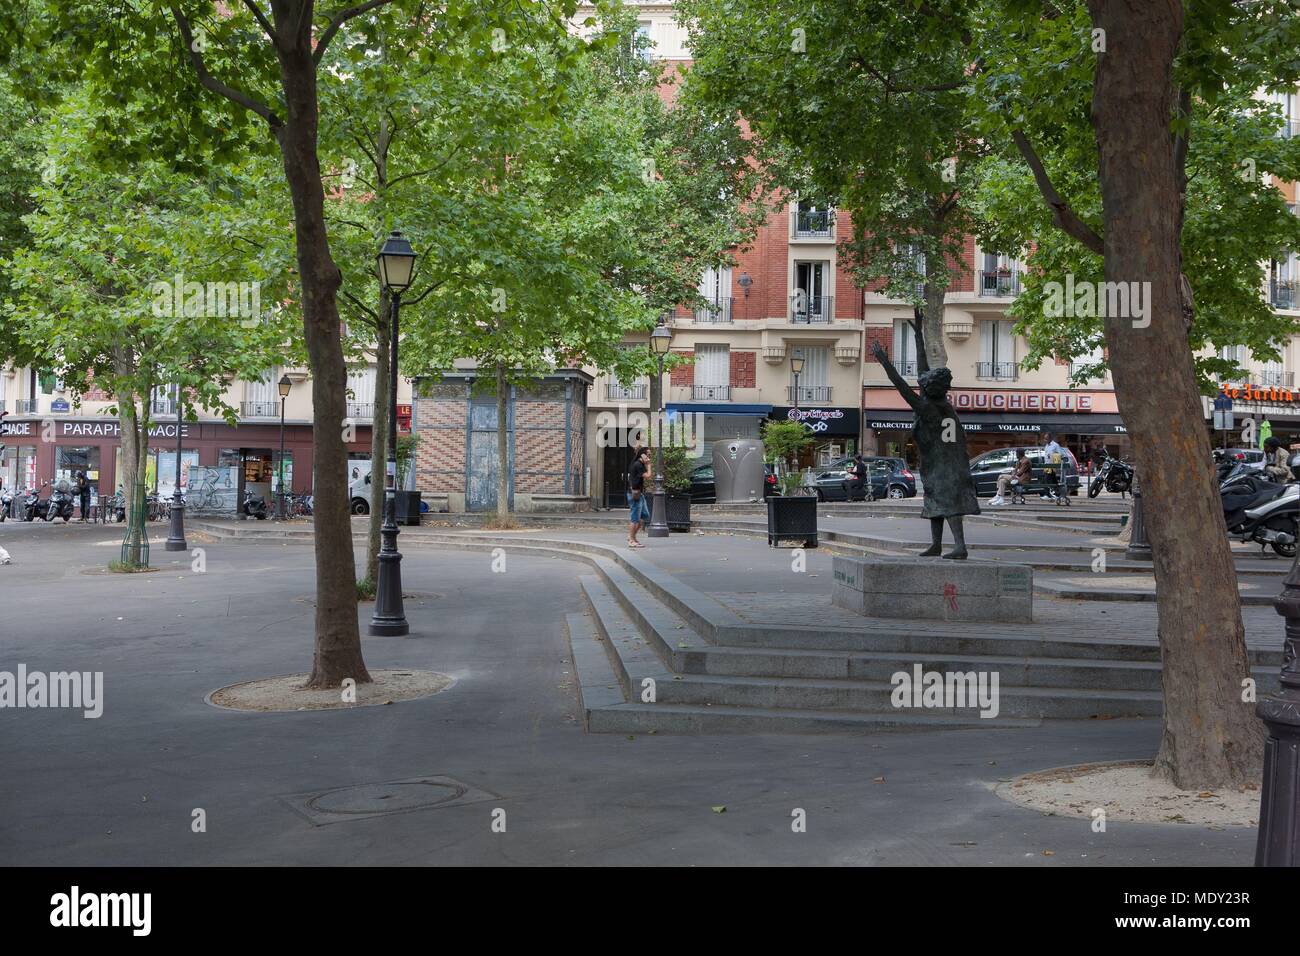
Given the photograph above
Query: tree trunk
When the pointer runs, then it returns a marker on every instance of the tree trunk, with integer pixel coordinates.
(1211, 738)
(338, 640)
(135, 457)
(932, 325)
(379, 436)
(503, 444)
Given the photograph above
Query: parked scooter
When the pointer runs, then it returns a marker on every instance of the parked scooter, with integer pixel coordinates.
(254, 505)
(1263, 511)
(1115, 475)
(60, 503)
(34, 506)
(6, 502)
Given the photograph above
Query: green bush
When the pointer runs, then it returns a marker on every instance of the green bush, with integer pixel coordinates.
(782, 441)
(677, 469)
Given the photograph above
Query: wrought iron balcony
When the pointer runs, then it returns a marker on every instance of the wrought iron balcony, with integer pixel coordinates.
(811, 310)
(1290, 129)
(1274, 376)
(636, 392)
(26, 406)
(808, 394)
(716, 312)
(361, 411)
(164, 406)
(906, 369)
(259, 409)
(1077, 367)
(1282, 293)
(1003, 371)
(1002, 282)
(711, 393)
(811, 223)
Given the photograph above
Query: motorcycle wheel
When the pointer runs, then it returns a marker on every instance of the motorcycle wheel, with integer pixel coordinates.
(1290, 527)
(1094, 488)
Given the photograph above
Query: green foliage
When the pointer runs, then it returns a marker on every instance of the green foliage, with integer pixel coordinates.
(677, 468)
(783, 440)
(406, 446)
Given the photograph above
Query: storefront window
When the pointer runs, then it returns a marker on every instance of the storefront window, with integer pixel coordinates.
(69, 461)
(167, 470)
(18, 467)
(288, 472)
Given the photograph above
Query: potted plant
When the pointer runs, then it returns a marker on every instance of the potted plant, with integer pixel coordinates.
(407, 503)
(677, 488)
(790, 514)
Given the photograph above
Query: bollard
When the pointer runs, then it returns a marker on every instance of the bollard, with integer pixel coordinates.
(1279, 800)
(1139, 548)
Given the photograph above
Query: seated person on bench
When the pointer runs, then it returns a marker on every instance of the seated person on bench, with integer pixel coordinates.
(1022, 475)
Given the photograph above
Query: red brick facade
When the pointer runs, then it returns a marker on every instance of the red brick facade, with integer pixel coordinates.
(684, 374)
(743, 365)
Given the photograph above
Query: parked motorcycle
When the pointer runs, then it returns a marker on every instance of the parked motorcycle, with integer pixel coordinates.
(254, 505)
(1263, 511)
(1115, 475)
(60, 503)
(34, 506)
(6, 502)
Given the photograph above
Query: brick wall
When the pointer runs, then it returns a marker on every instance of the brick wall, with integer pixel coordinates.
(440, 456)
(885, 336)
(684, 374)
(743, 365)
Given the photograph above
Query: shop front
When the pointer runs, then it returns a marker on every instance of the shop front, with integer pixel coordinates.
(835, 431)
(1083, 421)
(48, 450)
(1273, 411)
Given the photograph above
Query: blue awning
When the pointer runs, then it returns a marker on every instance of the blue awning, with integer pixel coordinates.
(718, 408)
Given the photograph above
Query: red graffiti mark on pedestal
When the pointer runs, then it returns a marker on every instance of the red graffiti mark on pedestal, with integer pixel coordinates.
(950, 595)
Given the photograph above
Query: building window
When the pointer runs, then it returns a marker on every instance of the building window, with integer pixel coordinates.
(997, 350)
(810, 302)
(361, 395)
(1282, 284)
(999, 275)
(814, 381)
(712, 373)
(812, 220)
(644, 46)
(261, 398)
(18, 467)
(904, 348)
(715, 289)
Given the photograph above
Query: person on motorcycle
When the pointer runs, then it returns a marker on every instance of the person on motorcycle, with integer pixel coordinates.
(1276, 460)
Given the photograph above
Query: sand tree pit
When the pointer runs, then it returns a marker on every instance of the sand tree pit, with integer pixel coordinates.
(1125, 792)
(285, 694)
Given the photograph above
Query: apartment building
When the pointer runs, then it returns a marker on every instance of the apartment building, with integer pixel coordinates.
(50, 433)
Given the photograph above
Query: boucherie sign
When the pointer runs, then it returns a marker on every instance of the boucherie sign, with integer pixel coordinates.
(1021, 401)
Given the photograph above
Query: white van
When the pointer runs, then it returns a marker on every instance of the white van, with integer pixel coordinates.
(359, 486)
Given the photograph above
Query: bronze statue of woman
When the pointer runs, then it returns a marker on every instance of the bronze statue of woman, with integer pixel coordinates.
(945, 466)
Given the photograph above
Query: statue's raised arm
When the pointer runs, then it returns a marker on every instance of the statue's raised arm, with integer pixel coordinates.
(900, 383)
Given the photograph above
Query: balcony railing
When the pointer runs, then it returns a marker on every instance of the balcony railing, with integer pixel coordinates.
(1275, 377)
(636, 392)
(711, 393)
(716, 312)
(1003, 282)
(906, 369)
(259, 409)
(1004, 371)
(26, 406)
(164, 406)
(1282, 293)
(811, 310)
(1077, 367)
(1290, 129)
(811, 223)
(807, 394)
(361, 411)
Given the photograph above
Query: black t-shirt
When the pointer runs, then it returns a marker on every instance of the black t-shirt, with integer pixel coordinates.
(636, 475)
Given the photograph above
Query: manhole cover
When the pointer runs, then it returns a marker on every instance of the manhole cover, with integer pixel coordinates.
(365, 800)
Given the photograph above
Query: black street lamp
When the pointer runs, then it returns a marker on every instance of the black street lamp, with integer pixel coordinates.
(1139, 546)
(284, 386)
(396, 264)
(796, 366)
(176, 535)
(1279, 802)
(660, 340)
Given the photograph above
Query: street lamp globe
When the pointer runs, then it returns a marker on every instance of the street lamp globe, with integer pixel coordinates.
(396, 262)
(661, 338)
(796, 361)
(284, 386)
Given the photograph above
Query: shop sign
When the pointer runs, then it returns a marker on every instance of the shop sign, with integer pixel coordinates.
(16, 428)
(114, 430)
(834, 421)
(1248, 392)
(60, 405)
(1021, 401)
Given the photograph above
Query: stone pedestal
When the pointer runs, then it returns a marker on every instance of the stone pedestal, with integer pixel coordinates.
(934, 589)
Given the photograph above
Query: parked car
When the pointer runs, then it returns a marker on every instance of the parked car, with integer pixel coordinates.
(1252, 458)
(985, 469)
(889, 477)
(704, 490)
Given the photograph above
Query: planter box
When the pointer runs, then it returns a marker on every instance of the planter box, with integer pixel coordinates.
(407, 507)
(793, 517)
(679, 512)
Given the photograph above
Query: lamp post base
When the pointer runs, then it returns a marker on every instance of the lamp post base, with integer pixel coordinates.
(659, 516)
(176, 534)
(389, 619)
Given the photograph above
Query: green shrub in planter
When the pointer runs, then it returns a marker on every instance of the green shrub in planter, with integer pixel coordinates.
(677, 488)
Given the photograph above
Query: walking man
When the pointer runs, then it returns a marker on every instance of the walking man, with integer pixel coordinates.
(639, 510)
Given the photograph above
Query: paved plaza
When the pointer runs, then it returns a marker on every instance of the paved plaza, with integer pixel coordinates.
(507, 735)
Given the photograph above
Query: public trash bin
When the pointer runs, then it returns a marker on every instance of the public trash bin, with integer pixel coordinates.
(738, 473)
